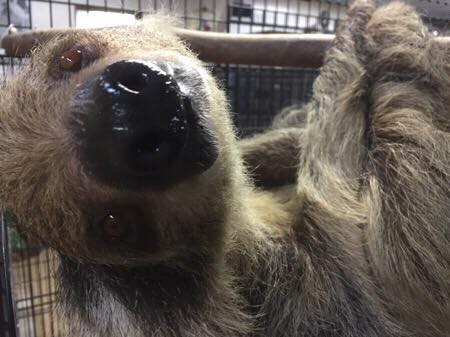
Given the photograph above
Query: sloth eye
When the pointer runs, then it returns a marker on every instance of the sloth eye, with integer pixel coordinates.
(114, 226)
(71, 60)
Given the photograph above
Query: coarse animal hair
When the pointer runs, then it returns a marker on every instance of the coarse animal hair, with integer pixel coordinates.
(375, 151)
(347, 236)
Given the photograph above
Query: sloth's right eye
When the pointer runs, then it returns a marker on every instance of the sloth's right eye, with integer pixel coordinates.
(114, 227)
(71, 60)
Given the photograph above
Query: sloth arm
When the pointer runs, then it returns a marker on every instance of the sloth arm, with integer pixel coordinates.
(272, 157)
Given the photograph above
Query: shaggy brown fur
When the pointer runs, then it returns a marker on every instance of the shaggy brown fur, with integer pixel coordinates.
(382, 105)
(272, 157)
(358, 247)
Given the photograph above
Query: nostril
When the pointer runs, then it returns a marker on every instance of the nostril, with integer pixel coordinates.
(134, 83)
(128, 77)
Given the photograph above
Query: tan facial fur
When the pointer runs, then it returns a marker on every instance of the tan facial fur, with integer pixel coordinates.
(44, 183)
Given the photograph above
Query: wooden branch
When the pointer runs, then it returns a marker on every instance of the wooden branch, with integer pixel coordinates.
(20, 44)
(293, 50)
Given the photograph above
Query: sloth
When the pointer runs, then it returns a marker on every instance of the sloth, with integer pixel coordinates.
(118, 153)
(272, 157)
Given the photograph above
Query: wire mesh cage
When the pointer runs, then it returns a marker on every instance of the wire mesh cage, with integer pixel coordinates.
(32, 270)
(255, 94)
(233, 16)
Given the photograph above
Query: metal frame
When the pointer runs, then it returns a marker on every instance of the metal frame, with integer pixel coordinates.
(7, 308)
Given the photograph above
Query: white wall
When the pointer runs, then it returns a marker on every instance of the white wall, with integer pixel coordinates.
(291, 15)
(201, 14)
(45, 15)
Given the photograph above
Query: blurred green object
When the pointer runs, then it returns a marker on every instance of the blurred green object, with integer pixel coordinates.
(16, 242)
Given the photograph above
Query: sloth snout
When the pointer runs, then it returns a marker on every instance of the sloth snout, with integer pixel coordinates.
(142, 127)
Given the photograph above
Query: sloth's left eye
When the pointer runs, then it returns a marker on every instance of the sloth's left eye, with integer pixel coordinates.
(71, 60)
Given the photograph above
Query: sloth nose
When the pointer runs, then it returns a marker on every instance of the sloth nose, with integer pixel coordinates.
(142, 128)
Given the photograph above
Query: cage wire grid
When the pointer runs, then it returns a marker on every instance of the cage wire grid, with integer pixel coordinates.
(255, 93)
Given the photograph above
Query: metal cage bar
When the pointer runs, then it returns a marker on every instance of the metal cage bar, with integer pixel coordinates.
(8, 321)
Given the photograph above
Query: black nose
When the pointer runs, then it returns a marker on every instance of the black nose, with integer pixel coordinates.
(142, 128)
